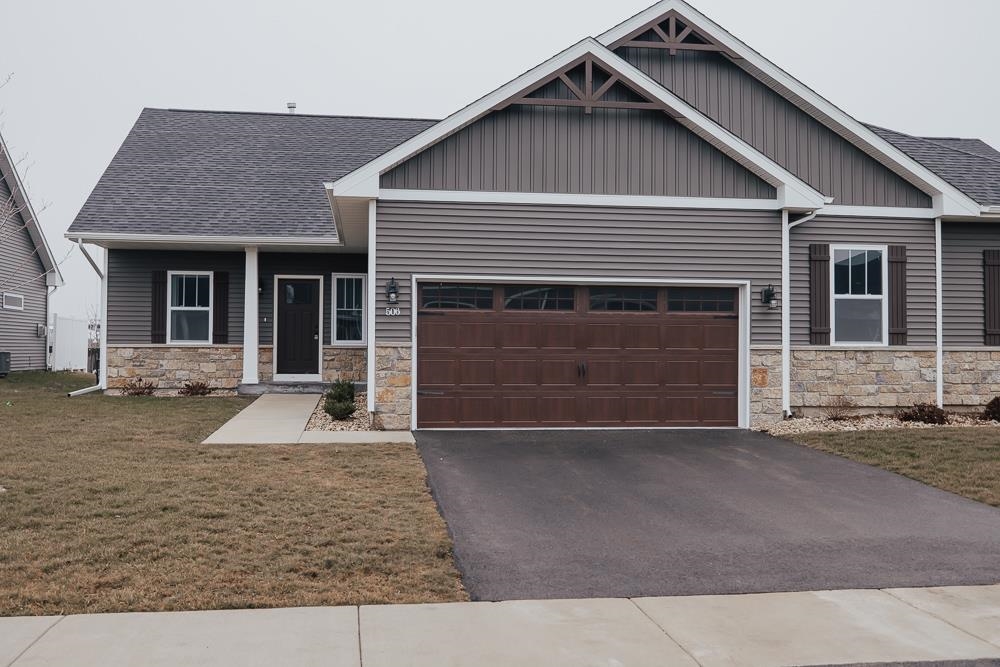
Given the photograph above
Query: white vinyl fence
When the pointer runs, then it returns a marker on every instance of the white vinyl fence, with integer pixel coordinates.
(68, 342)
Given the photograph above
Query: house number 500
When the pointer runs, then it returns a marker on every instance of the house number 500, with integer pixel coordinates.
(392, 312)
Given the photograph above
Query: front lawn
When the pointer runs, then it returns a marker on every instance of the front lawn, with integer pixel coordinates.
(965, 461)
(109, 504)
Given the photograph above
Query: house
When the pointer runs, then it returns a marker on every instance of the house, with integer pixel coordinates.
(28, 273)
(655, 227)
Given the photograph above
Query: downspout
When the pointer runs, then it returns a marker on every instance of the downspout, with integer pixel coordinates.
(102, 362)
(939, 313)
(786, 309)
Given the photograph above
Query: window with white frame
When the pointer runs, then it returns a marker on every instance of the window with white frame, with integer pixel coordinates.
(859, 304)
(349, 308)
(189, 295)
(13, 301)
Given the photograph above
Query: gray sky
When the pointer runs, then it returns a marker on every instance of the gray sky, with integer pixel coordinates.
(84, 70)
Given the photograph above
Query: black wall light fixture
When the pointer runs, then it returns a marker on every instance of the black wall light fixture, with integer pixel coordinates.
(392, 291)
(769, 297)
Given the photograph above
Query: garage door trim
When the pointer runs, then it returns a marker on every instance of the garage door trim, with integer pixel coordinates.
(743, 309)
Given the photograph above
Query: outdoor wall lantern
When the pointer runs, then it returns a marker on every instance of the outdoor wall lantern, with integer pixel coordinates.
(769, 297)
(392, 291)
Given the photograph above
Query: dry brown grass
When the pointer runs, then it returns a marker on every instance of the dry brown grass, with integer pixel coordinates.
(965, 461)
(110, 505)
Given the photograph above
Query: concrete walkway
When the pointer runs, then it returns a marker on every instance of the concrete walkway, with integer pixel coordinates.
(934, 625)
(281, 419)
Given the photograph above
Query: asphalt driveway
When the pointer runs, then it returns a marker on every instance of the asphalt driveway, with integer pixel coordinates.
(572, 514)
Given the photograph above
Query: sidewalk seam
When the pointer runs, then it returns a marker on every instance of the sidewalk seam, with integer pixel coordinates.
(664, 631)
(35, 641)
(361, 657)
(940, 618)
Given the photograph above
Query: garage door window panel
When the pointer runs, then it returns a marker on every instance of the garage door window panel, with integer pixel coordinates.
(539, 297)
(452, 296)
(858, 301)
(623, 299)
(701, 300)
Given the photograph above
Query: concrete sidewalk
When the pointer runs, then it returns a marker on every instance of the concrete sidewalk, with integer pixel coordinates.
(939, 625)
(281, 419)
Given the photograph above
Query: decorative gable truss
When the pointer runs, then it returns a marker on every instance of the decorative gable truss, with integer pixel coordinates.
(673, 33)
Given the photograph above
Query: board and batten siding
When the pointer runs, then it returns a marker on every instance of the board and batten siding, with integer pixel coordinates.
(916, 235)
(564, 150)
(777, 128)
(130, 289)
(577, 241)
(962, 246)
(21, 273)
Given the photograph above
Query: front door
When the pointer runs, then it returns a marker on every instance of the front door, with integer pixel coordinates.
(298, 326)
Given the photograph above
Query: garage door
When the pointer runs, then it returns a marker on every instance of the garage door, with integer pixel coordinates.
(568, 356)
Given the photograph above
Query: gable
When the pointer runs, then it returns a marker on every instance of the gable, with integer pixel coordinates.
(756, 113)
(21, 267)
(529, 148)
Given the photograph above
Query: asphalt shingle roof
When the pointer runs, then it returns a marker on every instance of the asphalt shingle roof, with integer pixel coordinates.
(971, 165)
(210, 173)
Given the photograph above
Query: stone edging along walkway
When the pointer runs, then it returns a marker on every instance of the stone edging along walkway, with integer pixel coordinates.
(811, 628)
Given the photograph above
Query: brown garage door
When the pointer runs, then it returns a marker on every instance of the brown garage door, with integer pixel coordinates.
(564, 356)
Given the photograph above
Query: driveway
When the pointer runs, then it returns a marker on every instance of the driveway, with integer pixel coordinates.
(572, 514)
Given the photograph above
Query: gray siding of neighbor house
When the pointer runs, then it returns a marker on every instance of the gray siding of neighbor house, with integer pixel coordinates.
(962, 246)
(776, 127)
(574, 241)
(130, 289)
(20, 269)
(130, 286)
(564, 150)
(916, 235)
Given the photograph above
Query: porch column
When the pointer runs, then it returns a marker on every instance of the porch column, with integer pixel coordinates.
(251, 338)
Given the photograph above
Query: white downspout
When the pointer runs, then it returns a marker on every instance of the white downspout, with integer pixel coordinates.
(786, 309)
(939, 313)
(371, 306)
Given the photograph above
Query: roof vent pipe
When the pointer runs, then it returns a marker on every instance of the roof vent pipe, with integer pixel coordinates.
(291, 107)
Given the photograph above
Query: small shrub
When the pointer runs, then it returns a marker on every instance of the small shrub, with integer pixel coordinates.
(992, 411)
(342, 390)
(839, 409)
(195, 389)
(924, 413)
(138, 387)
(339, 410)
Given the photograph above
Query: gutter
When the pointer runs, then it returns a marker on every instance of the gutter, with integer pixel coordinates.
(786, 310)
(207, 240)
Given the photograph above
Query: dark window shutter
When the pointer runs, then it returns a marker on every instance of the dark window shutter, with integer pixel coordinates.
(991, 296)
(158, 303)
(897, 295)
(819, 293)
(220, 309)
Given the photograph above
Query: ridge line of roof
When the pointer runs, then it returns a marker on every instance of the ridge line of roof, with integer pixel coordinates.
(290, 115)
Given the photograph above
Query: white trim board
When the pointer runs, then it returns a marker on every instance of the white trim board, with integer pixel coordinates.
(948, 199)
(745, 307)
(560, 199)
(792, 191)
(293, 377)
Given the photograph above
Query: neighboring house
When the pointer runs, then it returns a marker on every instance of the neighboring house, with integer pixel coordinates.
(28, 273)
(656, 227)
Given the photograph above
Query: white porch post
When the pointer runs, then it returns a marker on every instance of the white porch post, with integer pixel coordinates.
(938, 315)
(786, 318)
(370, 310)
(251, 338)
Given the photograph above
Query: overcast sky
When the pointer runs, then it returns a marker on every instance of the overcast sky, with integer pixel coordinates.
(82, 71)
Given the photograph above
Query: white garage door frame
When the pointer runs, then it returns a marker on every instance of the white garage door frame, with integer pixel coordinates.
(745, 300)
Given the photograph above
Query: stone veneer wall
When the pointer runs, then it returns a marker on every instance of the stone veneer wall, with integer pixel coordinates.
(393, 373)
(765, 387)
(221, 366)
(971, 377)
(870, 379)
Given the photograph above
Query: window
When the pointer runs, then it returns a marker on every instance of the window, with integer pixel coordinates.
(859, 304)
(13, 301)
(538, 297)
(348, 308)
(623, 299)
(190, 312)
(701, 300)
(452, 296)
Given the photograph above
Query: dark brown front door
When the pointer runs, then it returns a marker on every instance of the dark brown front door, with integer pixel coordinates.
(298, 326)
(522, 356)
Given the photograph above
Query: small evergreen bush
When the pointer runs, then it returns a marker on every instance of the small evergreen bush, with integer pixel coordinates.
(924, 413)
(339, 410)
(342, 390)
(992, 411)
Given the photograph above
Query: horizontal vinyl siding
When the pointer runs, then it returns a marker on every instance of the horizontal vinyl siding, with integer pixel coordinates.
(782, 131)
(130, 289)
(916, 235)
(20, 273)
(575, 241)
(302, 264)
(564, 150)
(962, 246)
